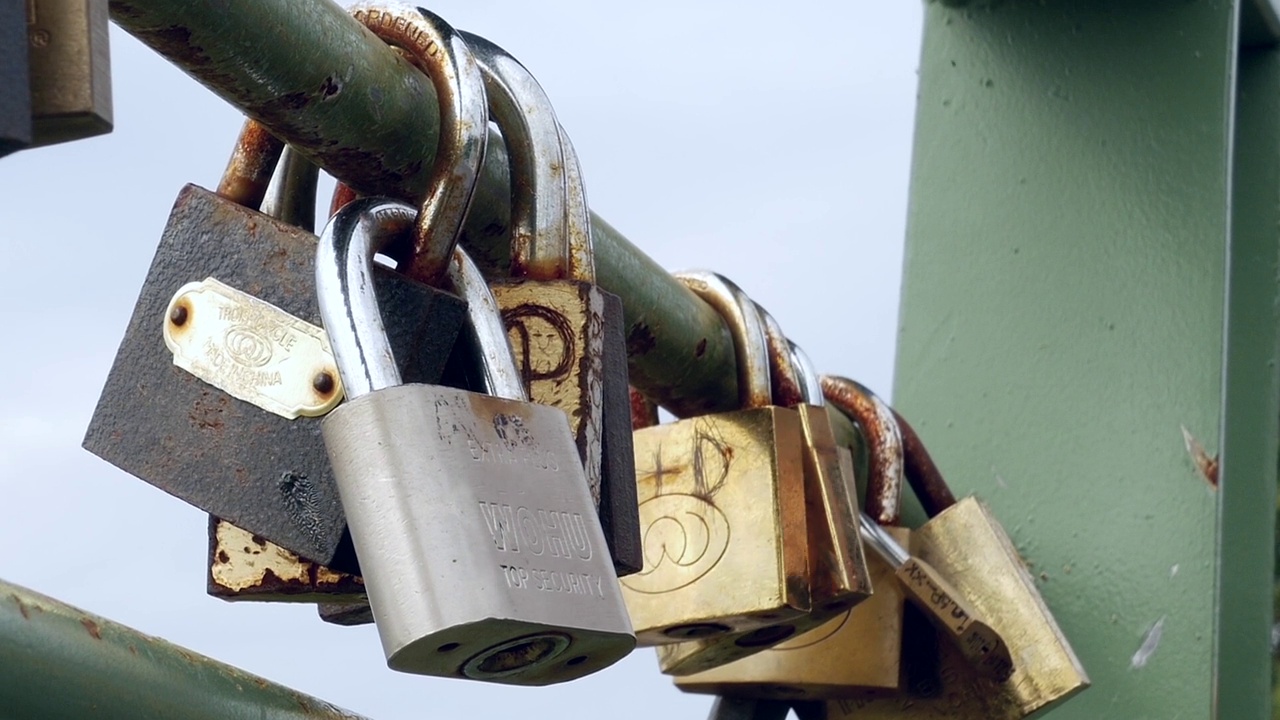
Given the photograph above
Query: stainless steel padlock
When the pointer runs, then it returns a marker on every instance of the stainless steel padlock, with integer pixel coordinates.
(479, 544)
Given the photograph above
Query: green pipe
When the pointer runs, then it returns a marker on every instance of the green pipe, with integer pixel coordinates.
(61, 662)
(323, 83)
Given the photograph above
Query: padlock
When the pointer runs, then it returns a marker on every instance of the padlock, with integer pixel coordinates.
(70, 60)
(243, 566)
(566, 331)
(966, 544)
(15, 78)
(838, 576)
(263, 571)
(479, 545)
(859, 651)
(233, 290)
(722, 505)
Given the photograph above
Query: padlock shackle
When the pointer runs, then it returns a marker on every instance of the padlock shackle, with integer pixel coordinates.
(499, 371)
(439, 51)
(544, 170)
(807, 376)
(344, 288)
(923, 475)
(252, 163)
(291, 197)
(784, 376)
(580, 259)
(884, 445)
(749, 342)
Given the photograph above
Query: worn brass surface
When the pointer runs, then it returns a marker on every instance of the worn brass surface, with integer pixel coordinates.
(857, 652)
(967, 545)
(980, 644)
(70, 70)
(251, 350)
(244, 566)
(556, 330)
(723, 526)
(838, 575)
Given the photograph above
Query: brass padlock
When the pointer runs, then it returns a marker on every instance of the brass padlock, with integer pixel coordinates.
(859, 651)
(722, 505)
(838, 576)
(966, 544)
(70, 61)
(555, 313)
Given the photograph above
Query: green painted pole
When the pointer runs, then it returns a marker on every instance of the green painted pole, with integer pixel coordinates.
(1074, 297)
(323, 83)
(57, 661)
(1251, 433)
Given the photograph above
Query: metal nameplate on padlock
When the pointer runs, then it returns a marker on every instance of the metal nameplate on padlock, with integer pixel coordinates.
(252, 350)
(256, 469)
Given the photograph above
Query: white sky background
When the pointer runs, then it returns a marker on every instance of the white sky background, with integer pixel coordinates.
(770, 142)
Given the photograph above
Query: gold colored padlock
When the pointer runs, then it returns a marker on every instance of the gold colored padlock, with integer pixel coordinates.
(965, 543)
(859, 652)
(838, 576)
(722, 511)
(70, 65)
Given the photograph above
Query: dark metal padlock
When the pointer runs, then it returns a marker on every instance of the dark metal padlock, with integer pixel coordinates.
(15, 92)
(257, 469)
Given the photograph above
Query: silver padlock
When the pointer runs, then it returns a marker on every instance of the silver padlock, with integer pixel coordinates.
(478, 540)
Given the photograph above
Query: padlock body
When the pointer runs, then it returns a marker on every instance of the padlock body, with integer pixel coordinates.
(15, 82)
(479, 544)
(967, 545)
(568, 341)
(256, 469)
(854, 655)
(838, 575)
(722, 521)
(70, 70)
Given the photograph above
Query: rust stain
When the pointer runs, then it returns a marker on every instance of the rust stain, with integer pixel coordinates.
(1207, 466)
(923, 475)
(884, 444)
(92, 628)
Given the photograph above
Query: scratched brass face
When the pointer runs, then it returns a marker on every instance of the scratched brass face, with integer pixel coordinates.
(855, 653)
(556, 331)
(838, 576)
(243, 566)
(722, 520)
(967, 545)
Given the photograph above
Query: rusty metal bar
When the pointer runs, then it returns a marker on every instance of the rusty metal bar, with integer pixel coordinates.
(61, 662)
(320, 81)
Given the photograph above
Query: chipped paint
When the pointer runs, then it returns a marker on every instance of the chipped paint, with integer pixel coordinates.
(1150, 642)
(1207, 466)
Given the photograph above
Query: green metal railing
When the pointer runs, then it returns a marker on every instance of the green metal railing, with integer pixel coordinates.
(60, 662)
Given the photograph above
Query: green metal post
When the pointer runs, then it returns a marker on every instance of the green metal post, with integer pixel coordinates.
(1074, 297)
(61, 662)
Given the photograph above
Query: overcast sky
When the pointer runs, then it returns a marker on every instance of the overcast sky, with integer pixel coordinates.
(770, 142)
